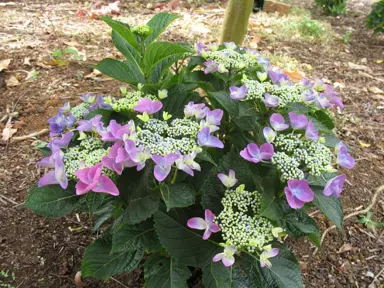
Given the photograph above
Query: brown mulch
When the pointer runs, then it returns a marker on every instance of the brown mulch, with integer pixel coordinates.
(47, 252)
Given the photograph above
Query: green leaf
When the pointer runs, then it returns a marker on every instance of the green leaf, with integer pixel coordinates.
(205, 156)
(127, 50)
(324, 119)
(158, 24)
(141, 208)
(329, 205)
(178, 96)
(159, 51)
(99, 262)
(161, 271)
(161, 69)
(298, 224)
(229, 105)
(52, 200)
(178, 195)
(285, 271)
(120, 71)
(102, 216)
(216, 275)
(123, 30)
(128, 237)
(182, 243)
(94, 201)
(298, 108)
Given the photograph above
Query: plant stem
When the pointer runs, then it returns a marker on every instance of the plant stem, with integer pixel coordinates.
(174, 176)
(236, 21)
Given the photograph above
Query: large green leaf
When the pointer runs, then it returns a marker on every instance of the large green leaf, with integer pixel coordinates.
(128, 237)
(324, 119)
(178, 96)
(164, 272)
(161, 69)
(329, 205)
(158, 24)
(181, 242)
(216, 275)
(178, 195)
(127, 50)
(123, 30)
(159, 51)
(99, 262)
(141, 208)
(298, 224)
(94, 201)
(52, 200)
(285, 271)
(120, 71)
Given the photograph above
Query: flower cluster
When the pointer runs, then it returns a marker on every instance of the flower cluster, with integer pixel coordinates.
(130, 100)
(141, 30)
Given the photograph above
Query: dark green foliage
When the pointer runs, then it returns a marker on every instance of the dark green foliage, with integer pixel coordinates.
(375, 20)
(333, 7)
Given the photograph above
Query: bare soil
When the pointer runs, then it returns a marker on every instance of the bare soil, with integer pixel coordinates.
(47, 252)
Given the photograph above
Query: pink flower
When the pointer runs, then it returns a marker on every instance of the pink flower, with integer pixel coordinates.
(311, 132)
(334, 186)
(298, 192)
(228, 180)
(90, 179)
(206, 224)
(253, 153)
(277, 122)
(298, 121)
(227, 257)
(146, 105)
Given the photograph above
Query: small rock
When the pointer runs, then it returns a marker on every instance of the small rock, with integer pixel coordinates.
(370, 274)
(303, 266)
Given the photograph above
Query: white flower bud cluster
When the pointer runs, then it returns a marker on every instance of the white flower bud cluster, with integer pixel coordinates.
(256, 90)
(156, 125)
(231, 59)
(80, 111)
(183, 127)
(294, 152)
(129, 101)
(286, 94)
(288, 166)
(240, 223)
(87, 154)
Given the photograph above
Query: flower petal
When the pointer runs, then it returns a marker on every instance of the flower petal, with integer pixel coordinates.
(228, 260)
(197, 223)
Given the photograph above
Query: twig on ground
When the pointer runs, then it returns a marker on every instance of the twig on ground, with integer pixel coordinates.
(372, 285)
(32, 135)
(8, 199)
(364, 211)
(117, 281)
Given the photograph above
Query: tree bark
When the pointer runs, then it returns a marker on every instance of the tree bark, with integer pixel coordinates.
(236, 21)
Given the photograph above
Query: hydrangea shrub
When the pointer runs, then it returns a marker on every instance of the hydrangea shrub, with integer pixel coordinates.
(202, 167)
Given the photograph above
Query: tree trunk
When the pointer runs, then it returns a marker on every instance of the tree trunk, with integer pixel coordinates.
(236, 21)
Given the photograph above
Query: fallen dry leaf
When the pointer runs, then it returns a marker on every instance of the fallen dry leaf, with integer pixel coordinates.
(375, 90)
(293, 74)
(12, 81)
(345, 248)
(364, 145)
(379, 61)
(4, 64)
(93, 74)
(8, 132)
(27, 61)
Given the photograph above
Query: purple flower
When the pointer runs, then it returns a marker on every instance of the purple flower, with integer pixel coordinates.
(253, 153)
(322, 101)
(277, 76)
(90, 179)
(271, 100)
(56, 176)
(56, 124)
(309, 96)
(62, 142)
(118, 158)
(344, 159)
(277, 122)
(227, 256)
(230, 45)
(187, 163)
(115, 131)
(163, 165)
(340, 146)
(333, 98)
(192, 109)
(200, 48)
(214, 117)
(88, 98)
(238, 93)
(298, 121)
(298, 193)
(311, 132)
(89, 125)
(204, 138)
(268, 253)
(228, 180)
(334, 186)
(306, 83)
(146, 105)
(139, 156)
(206, 224)
(70, 120)
(101, 103)
(210, 66)
(65, 108)
(269, 134)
